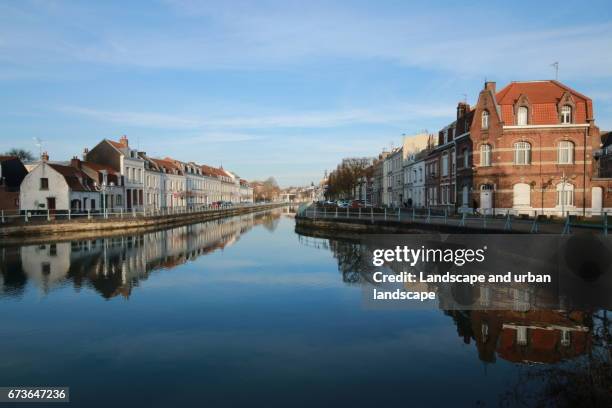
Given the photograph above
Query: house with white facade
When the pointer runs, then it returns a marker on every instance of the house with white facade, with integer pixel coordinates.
(127, 162)
(173, 183)
(51, 186)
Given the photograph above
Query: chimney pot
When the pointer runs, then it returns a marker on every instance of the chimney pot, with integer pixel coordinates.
(124, 141)
(44, 157)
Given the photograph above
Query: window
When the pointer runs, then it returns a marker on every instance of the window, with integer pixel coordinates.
(566, 152)
(565, 194)
(445, 164)
(521, 119)
(521, 195)
(521, 335)
(522, 153)
(485, 155)
(485, 119)
(566, 114)
(44, 183)
(466, 158)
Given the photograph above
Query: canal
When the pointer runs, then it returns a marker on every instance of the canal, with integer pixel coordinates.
(245, 312)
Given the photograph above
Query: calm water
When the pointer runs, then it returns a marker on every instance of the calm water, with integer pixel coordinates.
(245, 312)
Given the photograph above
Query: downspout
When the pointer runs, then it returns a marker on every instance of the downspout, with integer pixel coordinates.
(584, 174)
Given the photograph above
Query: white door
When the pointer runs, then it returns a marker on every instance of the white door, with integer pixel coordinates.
(596, 200)
(486, 197)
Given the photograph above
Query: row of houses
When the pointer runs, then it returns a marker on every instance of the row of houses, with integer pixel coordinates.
(116, 177)
(530, 147)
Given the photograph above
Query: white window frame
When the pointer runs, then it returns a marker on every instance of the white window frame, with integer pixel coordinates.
(522, 116)
(522, 153)
(485, 119)
(485, 155)
(566, 114)
(565, 152)
(565, 195)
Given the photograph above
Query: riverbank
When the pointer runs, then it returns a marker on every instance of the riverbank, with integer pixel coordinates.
(55, 228)
(368, 226)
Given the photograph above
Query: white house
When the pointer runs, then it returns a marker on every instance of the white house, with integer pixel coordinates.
(51, 186)
(127, 162)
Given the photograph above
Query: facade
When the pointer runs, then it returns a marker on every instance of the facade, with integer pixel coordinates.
(12, 173)
(106, 180)
(246, 192)
(125, 161)
(51, 186)
(378, 184)
(533, 145)
(393, 178)
(414, 179)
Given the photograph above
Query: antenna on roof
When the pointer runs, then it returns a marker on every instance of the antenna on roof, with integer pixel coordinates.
(38, 142)
(556, 66)
(464, 98)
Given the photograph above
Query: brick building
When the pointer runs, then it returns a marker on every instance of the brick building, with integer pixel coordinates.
(532, 144)
(12, 173)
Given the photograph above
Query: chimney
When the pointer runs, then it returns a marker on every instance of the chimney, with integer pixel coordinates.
(85, 151)
(44, 157)
(490, 86)
(75, 162)
(462, 109)
(124, 141)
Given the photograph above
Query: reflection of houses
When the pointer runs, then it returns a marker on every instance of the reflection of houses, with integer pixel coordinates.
(543, 336)
(115, 265)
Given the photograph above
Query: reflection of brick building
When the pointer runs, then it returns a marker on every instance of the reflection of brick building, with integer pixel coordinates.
(543, 336)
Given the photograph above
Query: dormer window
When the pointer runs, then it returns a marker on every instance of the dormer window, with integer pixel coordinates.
(521, 118)
(485, 119)
(566, 114)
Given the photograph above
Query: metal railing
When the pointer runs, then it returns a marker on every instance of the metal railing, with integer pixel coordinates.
(507, 221)
(29, 216)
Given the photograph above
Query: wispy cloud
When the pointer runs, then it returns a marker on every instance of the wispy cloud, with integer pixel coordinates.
(302, 119)
(253, 35)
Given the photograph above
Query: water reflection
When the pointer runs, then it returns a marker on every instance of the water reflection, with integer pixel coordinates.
(558, 349)
(114, 266)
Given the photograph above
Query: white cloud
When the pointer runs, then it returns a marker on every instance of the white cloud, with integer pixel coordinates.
(398, 113)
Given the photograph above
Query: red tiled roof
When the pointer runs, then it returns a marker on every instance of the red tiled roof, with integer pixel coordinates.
(543, 96)
(5, 158)
(212, 171)
(76, 179)
(167, 164)
(99, 167)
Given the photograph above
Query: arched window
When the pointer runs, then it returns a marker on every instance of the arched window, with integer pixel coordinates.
(523, 113)
(485, 155)
(566, 114)
(565, 194)
(565, 154)
(522, 153)
(521, 195)
(485, 119)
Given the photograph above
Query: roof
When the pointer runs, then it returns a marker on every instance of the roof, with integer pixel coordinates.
(168, 165)
(99, 167)
(76, 179)
(7, 158)
(544, 97)
(115, 144)
(606, 138)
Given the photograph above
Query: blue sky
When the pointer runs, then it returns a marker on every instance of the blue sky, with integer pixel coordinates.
(282, 88)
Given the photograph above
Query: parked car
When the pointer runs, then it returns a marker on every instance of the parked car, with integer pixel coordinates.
(344, 203)
(357, 204)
